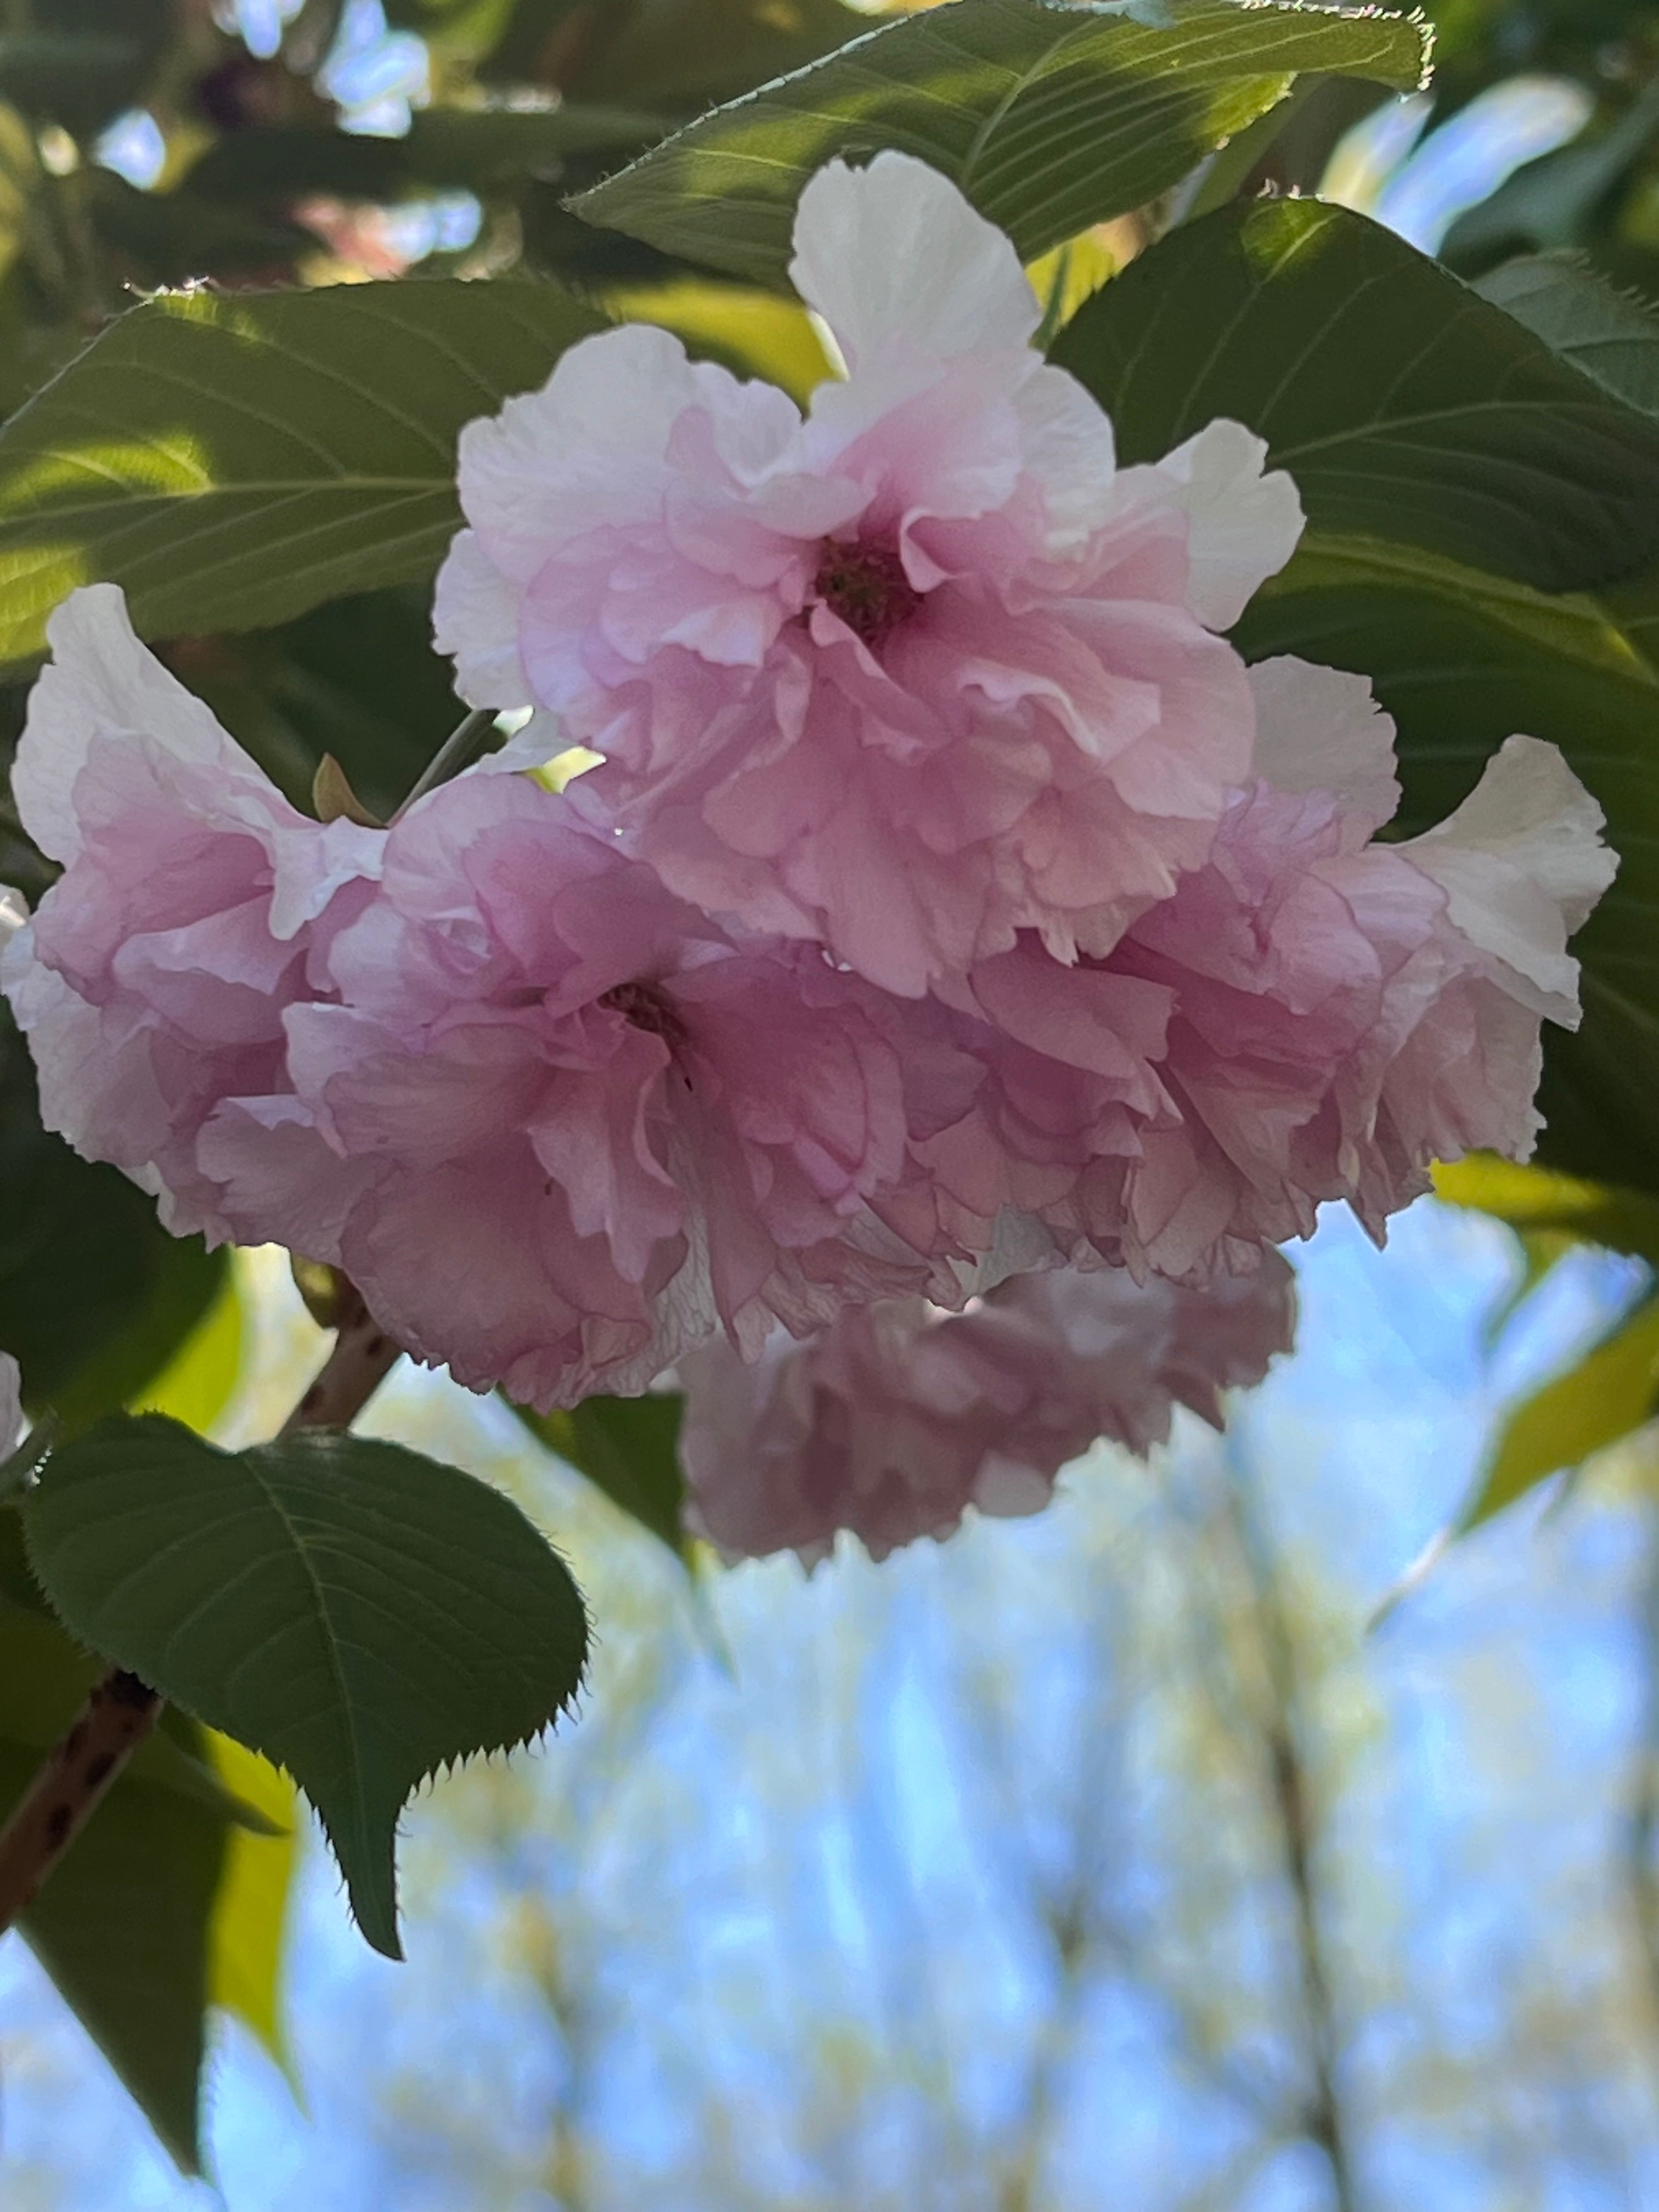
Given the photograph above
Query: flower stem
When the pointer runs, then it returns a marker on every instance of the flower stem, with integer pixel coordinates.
(458, 751)
(122, 1711)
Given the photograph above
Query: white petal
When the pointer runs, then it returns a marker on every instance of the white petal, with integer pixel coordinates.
(1521, 862)
(1071, 451)
(588, 448)
(14, 912)
(11, 1404)
(102, 682)
(1245, 525)
(310, 862)
(893, 256)
(474, 619)
(1320, 729)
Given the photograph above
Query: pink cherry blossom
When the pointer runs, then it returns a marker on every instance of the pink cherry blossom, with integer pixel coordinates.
(153, 980)
(557, 1125)
(896, 1418)
(908, 677)
(1313, 1016)
(1346, 1012)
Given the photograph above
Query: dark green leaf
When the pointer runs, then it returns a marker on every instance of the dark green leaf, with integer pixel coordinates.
(72, 79)
(1404, 406)
(356, 678)
(359, 1614)
(1050, 118)
(679, 56)
(628, 1448)
(235, 459)
(126, 1927)
(185, 1279)
(469, 149)
(1461, 660)
(95, 1296)
(1608, 1395)
(171, 238)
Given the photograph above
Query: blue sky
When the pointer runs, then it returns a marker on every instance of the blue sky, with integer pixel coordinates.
(772, 1924)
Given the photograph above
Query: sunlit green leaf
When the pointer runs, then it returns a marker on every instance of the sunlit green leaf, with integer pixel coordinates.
(196, 1385)
(1050, 118)
(754, 332)
(1537, 1199)
(359, 1614)
(1406, 407)
(233, 459)
(250, 1907)
(1606, 1397)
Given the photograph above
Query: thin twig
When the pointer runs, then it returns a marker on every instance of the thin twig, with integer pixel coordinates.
(458, 751)
(78, 1772)
(1324, 2119)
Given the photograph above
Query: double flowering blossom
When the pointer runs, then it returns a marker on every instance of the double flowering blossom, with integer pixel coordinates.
(951, 906)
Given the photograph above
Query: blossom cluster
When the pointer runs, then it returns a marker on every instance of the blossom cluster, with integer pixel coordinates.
(949, 905)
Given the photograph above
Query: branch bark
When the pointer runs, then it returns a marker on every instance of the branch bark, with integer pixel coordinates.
(120, 1714)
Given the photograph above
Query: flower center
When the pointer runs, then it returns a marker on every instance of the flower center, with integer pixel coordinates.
(867, 588)
(645, 1007)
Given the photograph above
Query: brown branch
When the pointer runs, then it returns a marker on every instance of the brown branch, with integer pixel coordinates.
(79, 1772)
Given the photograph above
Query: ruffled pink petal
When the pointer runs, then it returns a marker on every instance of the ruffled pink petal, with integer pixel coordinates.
(897, 1417)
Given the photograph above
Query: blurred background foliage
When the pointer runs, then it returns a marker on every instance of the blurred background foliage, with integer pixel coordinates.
(1106, 1860)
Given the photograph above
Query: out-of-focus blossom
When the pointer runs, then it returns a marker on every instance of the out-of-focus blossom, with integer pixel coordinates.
(907, 678)
(557, 1125)
(894, 1420)
(153, 979)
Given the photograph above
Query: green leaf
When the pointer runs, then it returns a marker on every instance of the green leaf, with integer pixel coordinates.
(250, 1908)
(234, 459)
(186, 1283)
(1606, 1397)
(750, 332)
(135, 1927)
(679, 56)
(1461, 660)
(356, 678)
(196, 1385)
(1050, 118)
(1406, 407)
(359, 1614)
(1583, 320)
(155, 239)
(456, 149)
(95, 1296)
(628, 1448)
(1536, 1200)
